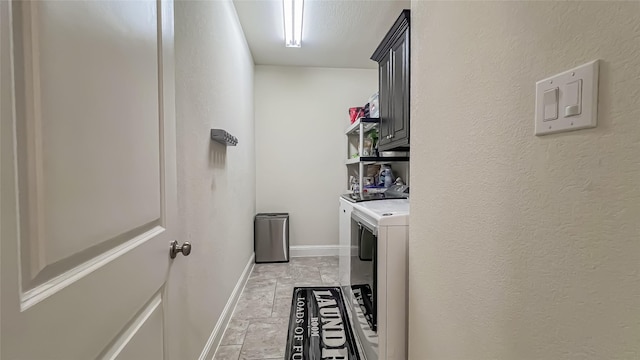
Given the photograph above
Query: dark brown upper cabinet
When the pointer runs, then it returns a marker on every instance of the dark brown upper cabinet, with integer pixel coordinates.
(394, 77)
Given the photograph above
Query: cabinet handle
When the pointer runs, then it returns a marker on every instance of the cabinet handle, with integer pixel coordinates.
(390, 136)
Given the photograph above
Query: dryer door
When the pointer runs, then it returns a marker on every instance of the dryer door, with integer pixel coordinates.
(364, 282)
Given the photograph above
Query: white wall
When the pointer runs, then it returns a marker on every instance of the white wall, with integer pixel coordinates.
(523, 247)
(214, 89)
(301, 115)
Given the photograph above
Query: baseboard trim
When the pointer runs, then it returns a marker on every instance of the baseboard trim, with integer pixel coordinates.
(314, 250)
(215, 338)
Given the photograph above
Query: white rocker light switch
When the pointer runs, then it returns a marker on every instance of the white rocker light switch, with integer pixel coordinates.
(573, 97)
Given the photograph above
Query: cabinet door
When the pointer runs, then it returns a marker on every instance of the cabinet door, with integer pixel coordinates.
(385, 100)
(399, 121)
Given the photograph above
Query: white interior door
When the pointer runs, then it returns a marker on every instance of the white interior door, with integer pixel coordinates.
(88, 182)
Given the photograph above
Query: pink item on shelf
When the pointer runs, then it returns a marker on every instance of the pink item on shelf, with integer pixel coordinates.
(355, 113)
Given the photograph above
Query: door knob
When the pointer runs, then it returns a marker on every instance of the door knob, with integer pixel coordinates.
(174, 249)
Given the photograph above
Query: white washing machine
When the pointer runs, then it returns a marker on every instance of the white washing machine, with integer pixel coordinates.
(377, 286)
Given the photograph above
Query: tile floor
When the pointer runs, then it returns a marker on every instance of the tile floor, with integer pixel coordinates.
(258, 327)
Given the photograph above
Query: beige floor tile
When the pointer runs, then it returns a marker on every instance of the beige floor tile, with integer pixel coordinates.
(281, 307)
(269, 271)
(329, 276)
(231, 352)
(236, 330)
(254, 305)
(318, 261)
(266, 338)
(301, 273)
(260, 284)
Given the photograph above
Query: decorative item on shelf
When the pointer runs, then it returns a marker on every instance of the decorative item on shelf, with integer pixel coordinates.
(355, 113)
(386, 176)
(223, 137)
(374, 110)
(368, 181)
(353, 184)
(373, 136)
(367, 147)
(373, 171)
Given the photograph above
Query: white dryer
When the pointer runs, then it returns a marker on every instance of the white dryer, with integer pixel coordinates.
(378, 277)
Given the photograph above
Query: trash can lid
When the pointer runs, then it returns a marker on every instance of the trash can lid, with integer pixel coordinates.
(272, 215)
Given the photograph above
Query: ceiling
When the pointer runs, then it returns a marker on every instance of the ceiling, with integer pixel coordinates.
(335, 33)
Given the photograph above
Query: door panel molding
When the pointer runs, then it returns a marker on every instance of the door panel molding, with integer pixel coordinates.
(59, 267)
(124, 338)
(57, 283)
(41, 273)
(28, 107)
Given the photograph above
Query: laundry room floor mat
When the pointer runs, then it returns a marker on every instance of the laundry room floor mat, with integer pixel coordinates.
(319, 326)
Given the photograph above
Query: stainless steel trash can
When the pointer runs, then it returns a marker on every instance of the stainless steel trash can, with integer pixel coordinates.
(271, 237)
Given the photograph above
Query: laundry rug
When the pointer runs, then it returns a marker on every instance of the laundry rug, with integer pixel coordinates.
(319, 326)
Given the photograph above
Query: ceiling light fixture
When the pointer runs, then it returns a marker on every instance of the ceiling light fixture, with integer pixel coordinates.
(293, 22)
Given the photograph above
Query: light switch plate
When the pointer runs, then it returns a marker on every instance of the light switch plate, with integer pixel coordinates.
(588, 116)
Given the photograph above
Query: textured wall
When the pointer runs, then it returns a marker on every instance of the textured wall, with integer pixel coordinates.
(523, 247)
(301, 116)
(214, 89)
